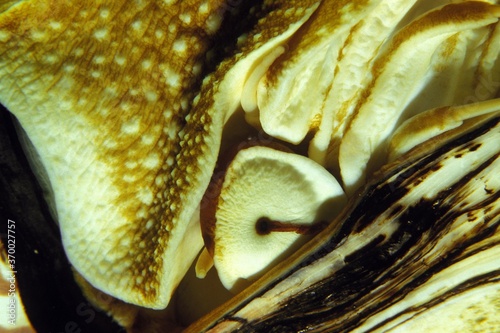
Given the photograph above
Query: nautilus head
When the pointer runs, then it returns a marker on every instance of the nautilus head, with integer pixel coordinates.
(369, 181)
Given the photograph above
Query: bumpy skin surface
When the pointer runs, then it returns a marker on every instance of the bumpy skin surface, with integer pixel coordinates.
(102, 90)
(45, 282)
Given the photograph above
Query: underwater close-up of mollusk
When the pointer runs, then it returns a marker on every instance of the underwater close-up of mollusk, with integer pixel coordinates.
(250, 166)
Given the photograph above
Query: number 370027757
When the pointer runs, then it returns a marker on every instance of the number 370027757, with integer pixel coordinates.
(11, 244)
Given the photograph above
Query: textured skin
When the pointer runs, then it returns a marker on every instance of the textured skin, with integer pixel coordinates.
(102, 90)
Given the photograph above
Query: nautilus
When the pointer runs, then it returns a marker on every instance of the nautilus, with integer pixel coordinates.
(326, 166)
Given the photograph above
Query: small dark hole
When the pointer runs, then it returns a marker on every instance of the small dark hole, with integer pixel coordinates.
(263, 226)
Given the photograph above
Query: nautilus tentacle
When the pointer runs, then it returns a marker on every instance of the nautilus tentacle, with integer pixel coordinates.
(373, 65)
(409, 54)
(352, 73)
(434, 122)
(286, 104)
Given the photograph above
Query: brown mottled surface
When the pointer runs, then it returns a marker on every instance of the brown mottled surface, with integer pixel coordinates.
(102, 88)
